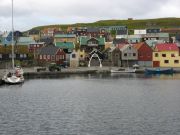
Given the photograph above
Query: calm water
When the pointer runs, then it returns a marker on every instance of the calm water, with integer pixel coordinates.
(92, 105)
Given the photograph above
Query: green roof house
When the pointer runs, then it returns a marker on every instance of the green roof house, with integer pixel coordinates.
(65, 45)
(90, 43)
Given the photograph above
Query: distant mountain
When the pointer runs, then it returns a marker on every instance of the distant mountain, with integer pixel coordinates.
(130, 23)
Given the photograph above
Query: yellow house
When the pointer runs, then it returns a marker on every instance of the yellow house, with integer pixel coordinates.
(166, 55)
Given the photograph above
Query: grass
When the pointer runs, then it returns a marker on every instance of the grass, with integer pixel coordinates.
(131, 24)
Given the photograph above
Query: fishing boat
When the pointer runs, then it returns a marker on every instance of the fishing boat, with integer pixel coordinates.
(159, 71)
(126, 70)
(15, 75)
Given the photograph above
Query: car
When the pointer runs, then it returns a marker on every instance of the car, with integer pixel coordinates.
(54, 67)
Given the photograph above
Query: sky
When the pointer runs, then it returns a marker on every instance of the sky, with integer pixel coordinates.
(32, 13)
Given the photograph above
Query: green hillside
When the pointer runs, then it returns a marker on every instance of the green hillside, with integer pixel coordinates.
(131, 24)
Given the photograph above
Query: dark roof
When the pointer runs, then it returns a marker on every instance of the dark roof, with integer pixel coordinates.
(119, 41)
(47, 40)
(48, 50)
(90, 30)
(153, 30)
(32, 32)
(121, 32)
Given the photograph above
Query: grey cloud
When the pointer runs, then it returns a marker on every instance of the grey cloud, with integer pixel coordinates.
(30, 13)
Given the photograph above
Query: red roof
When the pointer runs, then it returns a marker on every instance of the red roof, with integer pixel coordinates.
(166, 47)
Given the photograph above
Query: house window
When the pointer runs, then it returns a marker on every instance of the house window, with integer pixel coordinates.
(53, 58)
(134, 54)
(44, 56)
(148, 55)
(166, 61)
(172, 55)
(81, 56)
(163, 55)
(1, 56)
(10, 55)
(176, 61)
(21, 55)
(48, 57)
(25, 55)
(156, 55)
(125, 54)
(40, 57)
(73, 55)
(62, 56)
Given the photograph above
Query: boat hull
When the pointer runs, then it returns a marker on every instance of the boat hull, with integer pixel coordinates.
(13, 80)
(159, 71)
(124, 71)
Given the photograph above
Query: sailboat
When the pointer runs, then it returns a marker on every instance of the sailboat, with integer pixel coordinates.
(14, 76)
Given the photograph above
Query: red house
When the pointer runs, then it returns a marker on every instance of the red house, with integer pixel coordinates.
(51, 54)
(145, 53)
(34, 46)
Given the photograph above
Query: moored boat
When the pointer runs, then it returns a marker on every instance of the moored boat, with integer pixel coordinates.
(128, 70)
(159, 71)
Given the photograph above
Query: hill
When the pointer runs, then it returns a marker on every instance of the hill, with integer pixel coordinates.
(131, 24)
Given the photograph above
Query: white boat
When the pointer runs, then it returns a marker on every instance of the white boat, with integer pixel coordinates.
(124, 71)
(14, 76)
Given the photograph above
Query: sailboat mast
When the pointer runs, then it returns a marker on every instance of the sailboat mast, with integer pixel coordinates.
(12, 43)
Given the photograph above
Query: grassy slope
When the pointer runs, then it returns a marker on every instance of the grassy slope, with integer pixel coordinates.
(131, 24)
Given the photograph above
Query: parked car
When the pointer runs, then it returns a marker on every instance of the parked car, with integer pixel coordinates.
(54, 67)
(41, 69)
(65, 64)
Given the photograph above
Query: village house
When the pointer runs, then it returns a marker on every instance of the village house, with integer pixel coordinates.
(129, 55)
(20, 53)
(114, 56)
(49, 32)
(166, 55)
(51, 54)
(25, 41)
(65, 38)
(144, 54)
(66, 46)
(35, 46)
(34, 34)
(90, 43)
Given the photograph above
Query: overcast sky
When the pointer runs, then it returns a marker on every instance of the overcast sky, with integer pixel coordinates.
(31, 13)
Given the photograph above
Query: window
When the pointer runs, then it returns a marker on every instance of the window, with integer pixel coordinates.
(73, 55)
(81, 56)
(134, 54)
(48, 57)
(172, 55)
(176, 61)
(156, 55)
(40, 57)
(25, 55)
(166, 61)
(163, 55)
(44, 57)
(125, 54)
(53, 58)
(10, 55)
(21, 55)
(0, 55)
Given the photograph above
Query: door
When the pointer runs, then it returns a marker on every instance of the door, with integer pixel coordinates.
(156, 64)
